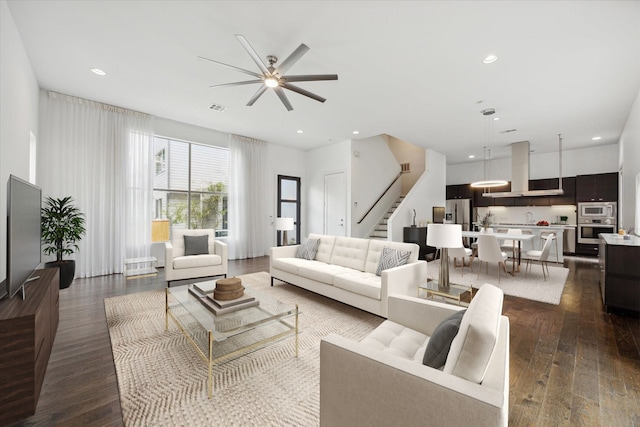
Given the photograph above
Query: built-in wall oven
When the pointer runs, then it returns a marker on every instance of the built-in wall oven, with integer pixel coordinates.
(595, 218)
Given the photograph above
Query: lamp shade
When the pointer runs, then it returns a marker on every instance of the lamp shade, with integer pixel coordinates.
(284, 223)
(444, 235)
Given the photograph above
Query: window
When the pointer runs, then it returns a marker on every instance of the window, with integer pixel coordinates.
(192, 191)
(161, 164)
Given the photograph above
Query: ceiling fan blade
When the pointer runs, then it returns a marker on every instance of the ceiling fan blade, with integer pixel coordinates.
(256, 95)
(292, 59)
(248, 82)
(283, 97)
(309, 77)
(242, 70)
(302, 91)
(252, 53)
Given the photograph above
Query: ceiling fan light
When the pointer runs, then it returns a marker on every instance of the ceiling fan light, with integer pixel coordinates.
(271, 82)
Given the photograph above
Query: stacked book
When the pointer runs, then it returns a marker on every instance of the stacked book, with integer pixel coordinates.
(205, 294)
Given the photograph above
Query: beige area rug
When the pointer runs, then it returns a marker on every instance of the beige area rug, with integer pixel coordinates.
(533, 287)
(162, 381)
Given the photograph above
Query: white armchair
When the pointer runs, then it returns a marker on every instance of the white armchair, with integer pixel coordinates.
(381, 380)
(210, 260)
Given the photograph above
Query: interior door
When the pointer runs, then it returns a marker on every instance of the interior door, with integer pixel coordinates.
(335, 204)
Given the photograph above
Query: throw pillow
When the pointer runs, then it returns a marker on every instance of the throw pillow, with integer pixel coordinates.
(439, 344)
(308, 249)
(392, 258)
(196, 245)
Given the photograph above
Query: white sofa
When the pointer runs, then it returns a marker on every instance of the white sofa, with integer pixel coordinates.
(179, 266)
(344, 269)
(381, 380)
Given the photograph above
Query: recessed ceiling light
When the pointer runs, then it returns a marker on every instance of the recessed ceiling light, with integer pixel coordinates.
(300, 131)
(98, 71)
(496, 118)
(596, 138)
(356, 132)
(471, 156)
(489, 59)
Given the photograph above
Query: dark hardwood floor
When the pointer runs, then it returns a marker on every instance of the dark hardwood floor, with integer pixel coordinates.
(571, 364)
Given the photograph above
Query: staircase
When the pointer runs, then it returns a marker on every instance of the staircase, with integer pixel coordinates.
(380, 232)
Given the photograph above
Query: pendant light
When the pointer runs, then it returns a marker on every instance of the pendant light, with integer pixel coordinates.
(486, 182)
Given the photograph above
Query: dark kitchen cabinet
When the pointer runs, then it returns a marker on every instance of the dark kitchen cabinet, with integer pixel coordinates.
(482, 202)
(460, 191)
(569, 196)
(597, 188)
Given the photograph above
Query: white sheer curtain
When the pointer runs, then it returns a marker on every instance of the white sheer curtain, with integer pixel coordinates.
(247, 214)
(100, 155)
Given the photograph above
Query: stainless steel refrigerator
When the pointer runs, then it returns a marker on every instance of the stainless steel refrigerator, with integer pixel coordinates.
(458, 211)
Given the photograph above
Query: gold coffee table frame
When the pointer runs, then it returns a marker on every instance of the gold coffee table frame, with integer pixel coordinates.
(244, 322)
(453, 291)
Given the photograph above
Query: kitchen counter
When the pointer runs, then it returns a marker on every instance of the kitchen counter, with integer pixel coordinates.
(620, 272)
(616, 239)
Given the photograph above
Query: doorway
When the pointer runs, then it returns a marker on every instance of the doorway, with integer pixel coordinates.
(289, 207)
(335, 204)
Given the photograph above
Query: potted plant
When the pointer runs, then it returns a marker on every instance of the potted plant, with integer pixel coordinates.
(62, 227)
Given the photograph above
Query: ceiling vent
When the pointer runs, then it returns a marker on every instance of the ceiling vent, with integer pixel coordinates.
(216, 107)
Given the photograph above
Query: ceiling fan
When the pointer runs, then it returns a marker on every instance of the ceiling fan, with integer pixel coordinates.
(274, 77)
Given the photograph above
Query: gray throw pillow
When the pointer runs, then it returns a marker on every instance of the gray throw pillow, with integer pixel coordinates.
(439, 344)
(392, 258)
(196, 245)
(308, 249)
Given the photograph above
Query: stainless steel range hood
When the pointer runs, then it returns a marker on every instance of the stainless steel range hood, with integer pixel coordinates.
(520, 174)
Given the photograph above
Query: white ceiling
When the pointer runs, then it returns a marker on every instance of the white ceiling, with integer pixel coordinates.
(412, 70)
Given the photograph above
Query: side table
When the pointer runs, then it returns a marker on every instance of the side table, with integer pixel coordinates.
(453, 291)
(140, 267)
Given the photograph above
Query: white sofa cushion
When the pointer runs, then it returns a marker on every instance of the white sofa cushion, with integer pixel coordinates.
(192, 261)
(375, 252)
(321, 272)
(393, 338)
(359, 282)
(325, 248)
(472, 348)
(350, 252)
(291, 265)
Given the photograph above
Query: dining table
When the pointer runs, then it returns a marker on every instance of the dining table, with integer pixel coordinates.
(506, 236)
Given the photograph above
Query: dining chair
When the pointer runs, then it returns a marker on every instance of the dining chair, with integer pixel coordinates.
(511, 246)
(489, 251)
(474, 245)
(460, 254)
(540, 256)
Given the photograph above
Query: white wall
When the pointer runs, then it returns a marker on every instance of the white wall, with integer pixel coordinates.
(18, 115)
(291, 162)
(584, 161)
(374, 168)
(429, 191)
(629, 160)
(186, 132)
(333, 158)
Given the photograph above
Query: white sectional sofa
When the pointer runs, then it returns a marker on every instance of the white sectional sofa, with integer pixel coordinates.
(344, 269)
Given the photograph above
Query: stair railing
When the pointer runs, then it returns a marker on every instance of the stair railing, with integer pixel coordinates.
(380, 198)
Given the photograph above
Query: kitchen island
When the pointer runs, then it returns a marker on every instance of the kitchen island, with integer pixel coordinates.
(620, 271)
(557, 248)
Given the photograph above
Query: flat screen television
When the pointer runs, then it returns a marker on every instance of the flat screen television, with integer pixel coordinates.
(24, 247)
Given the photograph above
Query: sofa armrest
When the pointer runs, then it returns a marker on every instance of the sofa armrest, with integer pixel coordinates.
(168, 255)
(361, 386)
(419, 314)
(222, 250)
(284, 251)
(402, 280)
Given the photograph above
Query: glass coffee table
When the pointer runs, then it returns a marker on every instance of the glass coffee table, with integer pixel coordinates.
(453, 291)
(221, 338)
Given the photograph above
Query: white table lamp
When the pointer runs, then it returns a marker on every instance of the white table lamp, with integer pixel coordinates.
(444, 236)
(284, 225)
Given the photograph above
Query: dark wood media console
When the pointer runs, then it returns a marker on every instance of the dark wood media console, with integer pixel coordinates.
(27, 330)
